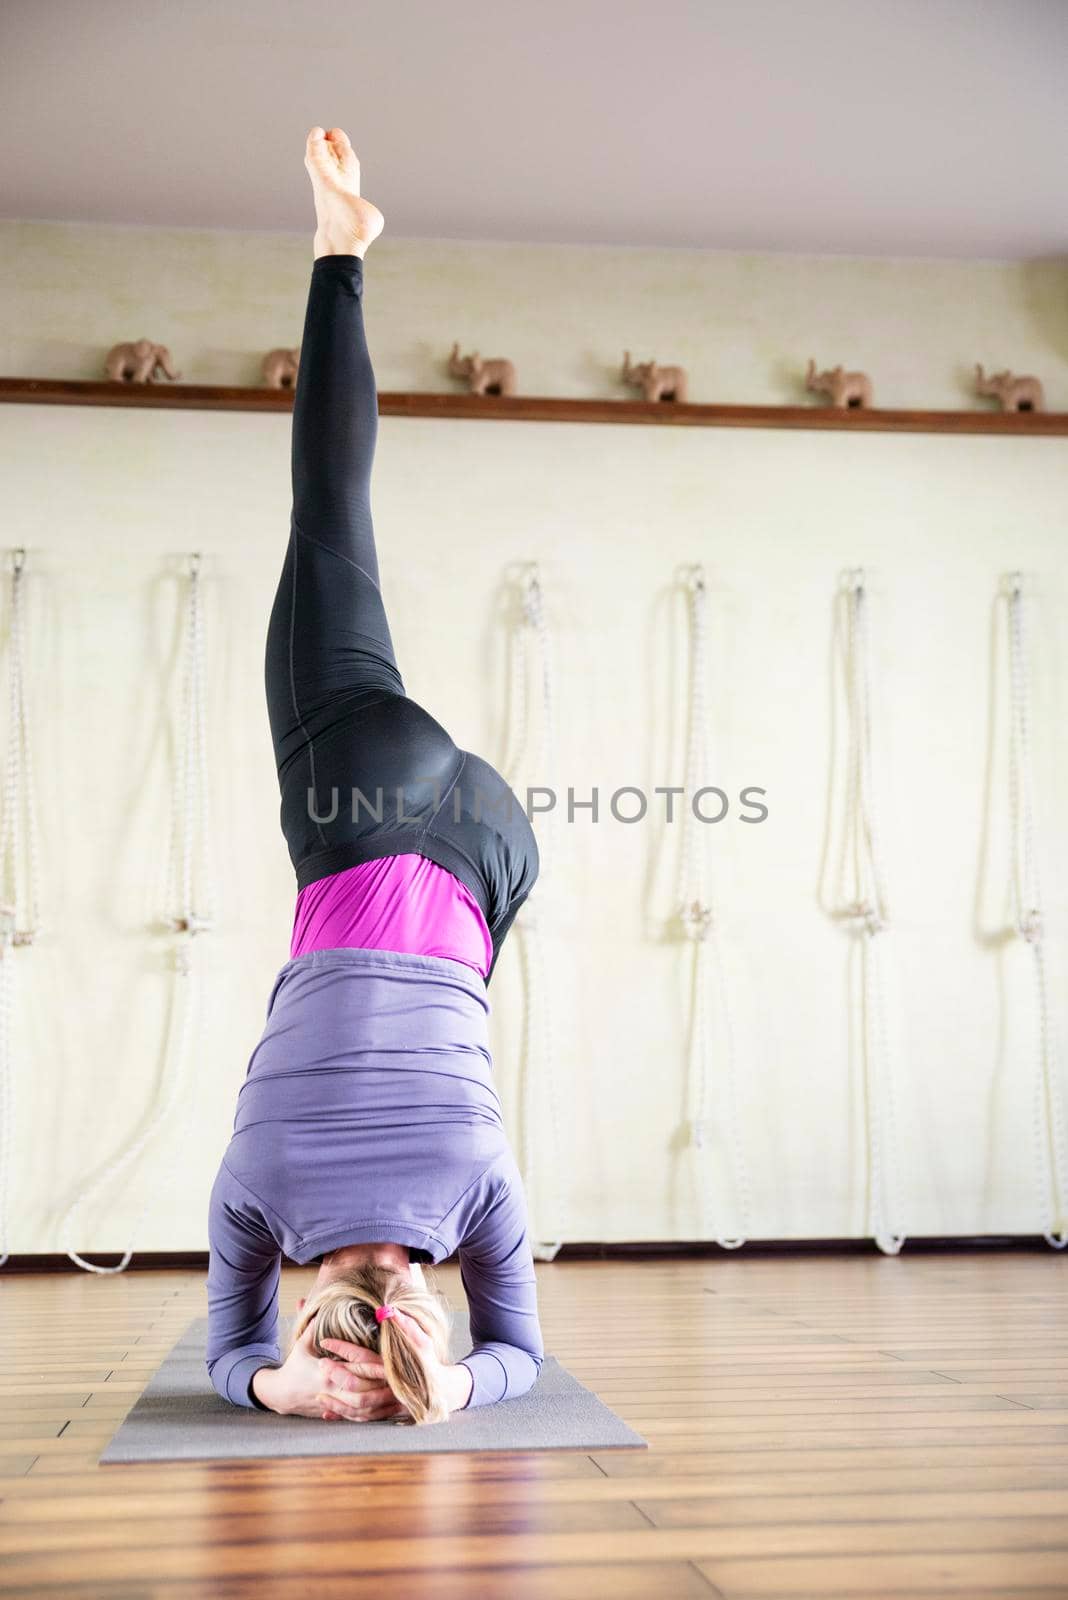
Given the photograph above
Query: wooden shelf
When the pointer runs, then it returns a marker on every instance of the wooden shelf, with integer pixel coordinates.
(539, 408)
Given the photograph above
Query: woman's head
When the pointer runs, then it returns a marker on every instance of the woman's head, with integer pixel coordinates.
(344, 1308)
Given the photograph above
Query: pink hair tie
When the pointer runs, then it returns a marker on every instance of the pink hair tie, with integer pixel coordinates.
(382, 1312)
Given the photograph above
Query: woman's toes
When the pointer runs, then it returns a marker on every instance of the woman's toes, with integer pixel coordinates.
(317, 156)
(329, 156)
(346, 157)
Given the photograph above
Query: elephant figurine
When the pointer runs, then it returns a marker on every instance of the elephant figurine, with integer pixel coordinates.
(846, 389)
(656, 383)
(1015, 394)
(279, 368)
(139, 362)
(493, 376)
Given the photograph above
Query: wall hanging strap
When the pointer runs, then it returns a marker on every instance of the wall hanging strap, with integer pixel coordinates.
(1050, 1144)
(697, 919)
(191, 898)
(19, 874)
(862, 903)
(532, 681)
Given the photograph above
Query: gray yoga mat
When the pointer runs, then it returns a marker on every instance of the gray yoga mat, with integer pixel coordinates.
(179, 1417)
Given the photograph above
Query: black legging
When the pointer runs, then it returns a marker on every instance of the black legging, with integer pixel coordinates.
(364, 771)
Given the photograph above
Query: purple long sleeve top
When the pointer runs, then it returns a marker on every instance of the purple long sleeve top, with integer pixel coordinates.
(369, 1113)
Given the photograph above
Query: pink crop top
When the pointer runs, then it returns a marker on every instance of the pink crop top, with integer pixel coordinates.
(402, 902)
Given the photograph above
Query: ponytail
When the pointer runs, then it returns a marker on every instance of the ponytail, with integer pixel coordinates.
(345, 1308)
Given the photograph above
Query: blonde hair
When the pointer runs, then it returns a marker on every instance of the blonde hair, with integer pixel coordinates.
(344, 1308)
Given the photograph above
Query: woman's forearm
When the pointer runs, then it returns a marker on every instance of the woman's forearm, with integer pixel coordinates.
(264, 1386)
(460, 1382)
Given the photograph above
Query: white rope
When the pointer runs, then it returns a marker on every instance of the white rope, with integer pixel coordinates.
(862, 902)
(1050, 1144)
(192, 915)
(19, 874)
(532, 673)
(698, 923)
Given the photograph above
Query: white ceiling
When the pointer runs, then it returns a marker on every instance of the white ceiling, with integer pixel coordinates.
(872, 127)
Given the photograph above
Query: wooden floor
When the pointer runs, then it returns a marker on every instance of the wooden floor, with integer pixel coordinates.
(818, 1427)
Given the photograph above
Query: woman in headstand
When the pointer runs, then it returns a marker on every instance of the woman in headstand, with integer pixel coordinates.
(368, 1134)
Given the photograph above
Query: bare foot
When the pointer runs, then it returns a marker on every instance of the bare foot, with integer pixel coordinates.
(347, 224)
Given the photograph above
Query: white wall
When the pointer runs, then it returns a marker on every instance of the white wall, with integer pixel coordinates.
(106, 500)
